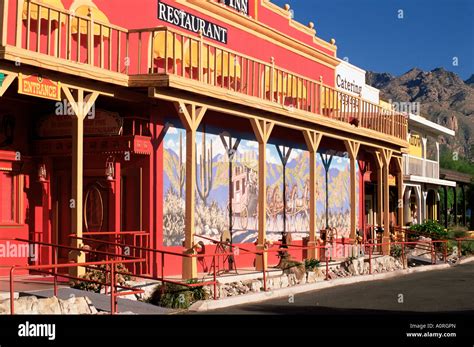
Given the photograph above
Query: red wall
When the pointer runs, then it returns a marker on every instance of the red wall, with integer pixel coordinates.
(139, 14)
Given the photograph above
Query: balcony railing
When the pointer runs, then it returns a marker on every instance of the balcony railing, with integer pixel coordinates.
(421, 167)
(162, 51)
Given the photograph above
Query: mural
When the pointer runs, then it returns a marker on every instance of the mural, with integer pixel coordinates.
(287, 207)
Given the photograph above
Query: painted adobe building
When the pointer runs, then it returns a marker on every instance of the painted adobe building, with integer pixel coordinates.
(138, 124)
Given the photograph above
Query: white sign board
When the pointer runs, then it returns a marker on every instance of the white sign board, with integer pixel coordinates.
(351, 80)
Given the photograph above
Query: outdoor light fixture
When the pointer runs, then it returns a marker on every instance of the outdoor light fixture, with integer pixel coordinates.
(42, 174)
(109, 169)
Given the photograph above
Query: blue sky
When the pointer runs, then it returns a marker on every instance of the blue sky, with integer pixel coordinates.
(369, 33)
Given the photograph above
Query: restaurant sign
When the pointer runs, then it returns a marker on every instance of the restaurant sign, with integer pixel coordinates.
(38, 86)
(104, 123)
(188, 21)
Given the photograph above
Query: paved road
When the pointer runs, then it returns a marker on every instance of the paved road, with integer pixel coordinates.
(450, 290)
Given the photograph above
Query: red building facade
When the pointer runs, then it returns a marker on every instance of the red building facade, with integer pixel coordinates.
(91, 89)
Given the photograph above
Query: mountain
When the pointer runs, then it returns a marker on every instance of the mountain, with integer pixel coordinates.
(444, 99)
(470, 81)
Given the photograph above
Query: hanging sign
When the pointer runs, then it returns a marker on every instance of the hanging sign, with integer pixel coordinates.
(104, 123)
(188, 21)
(38, 86)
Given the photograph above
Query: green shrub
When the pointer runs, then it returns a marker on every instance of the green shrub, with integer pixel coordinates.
(432, 229)
(396, 251)
(457, 233)
(467, 248)
(98, 273)
(177, 296)
(311, 264)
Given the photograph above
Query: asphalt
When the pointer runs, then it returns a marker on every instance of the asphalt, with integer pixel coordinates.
(444, 291)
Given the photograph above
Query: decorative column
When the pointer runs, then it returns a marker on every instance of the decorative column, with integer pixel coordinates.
(455, 205)
(191, 116)
(312, 139)
(446, 215)
(386, 156)
(81, 105)
(284, 154)
(262, 130)
(379, 167)
(463, 191)
(352, 148)
(401, 189)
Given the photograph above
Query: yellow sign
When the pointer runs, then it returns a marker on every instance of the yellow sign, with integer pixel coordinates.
(40, 87)
(392, 181)
(415, 145)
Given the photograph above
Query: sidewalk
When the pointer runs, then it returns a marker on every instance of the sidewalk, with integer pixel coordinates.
(207, 305)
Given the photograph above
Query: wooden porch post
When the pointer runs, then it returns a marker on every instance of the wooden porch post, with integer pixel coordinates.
(446, 216)
(191, 116)
(455, 205)
(352, 148)
(262, 130)
(386, 157)
(81, 107)
(379, 165)
(9, 78)
(3, 22)
(401, 189)
(312, 139)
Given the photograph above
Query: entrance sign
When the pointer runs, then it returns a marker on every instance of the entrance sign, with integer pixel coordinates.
(38, 86)
(191, 22)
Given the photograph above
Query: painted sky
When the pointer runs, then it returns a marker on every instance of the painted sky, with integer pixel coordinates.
(371, 34)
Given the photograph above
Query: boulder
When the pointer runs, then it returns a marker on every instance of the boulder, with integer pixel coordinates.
(49, 306)
(284, 281)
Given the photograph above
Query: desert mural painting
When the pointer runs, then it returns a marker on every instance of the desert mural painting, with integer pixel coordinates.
(212, 190)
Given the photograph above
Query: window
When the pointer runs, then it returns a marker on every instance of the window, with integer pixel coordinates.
(7, 197)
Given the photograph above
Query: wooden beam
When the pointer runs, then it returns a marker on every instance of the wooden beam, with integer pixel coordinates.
(7, 82)
(379, 165)
(3, 22)
(352, 148)
(81, 103)
(297, 120)
(191, 116)
(262, 130)
(312, 139)
(386, 156)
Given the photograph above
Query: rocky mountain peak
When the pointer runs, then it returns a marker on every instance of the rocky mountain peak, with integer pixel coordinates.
(443, 96)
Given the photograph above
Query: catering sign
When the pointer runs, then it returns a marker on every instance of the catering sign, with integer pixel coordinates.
(351, 80)
(190, 22)
(38, 86)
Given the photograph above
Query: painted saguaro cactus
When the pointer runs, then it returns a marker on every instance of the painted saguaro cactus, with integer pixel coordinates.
(206, 176)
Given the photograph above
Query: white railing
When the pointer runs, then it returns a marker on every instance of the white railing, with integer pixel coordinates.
(421, 167)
